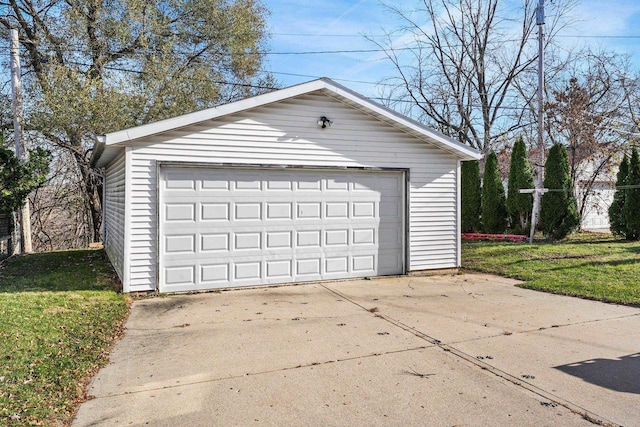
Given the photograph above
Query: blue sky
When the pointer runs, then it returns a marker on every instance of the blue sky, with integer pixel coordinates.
(304, 25)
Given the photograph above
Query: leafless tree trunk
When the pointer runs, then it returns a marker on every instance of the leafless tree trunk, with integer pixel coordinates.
(461, 64)
(59, 213)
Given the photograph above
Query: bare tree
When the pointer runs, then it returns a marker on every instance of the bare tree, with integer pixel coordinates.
(461, 65)
(588, 113)
(59, 210)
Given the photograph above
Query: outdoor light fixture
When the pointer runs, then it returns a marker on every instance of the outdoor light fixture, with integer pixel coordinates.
(324, 122)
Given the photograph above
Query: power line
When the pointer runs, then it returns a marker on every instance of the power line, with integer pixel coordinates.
(567, 36)
(220, 82)
(379, 99)
(282, 73)
(84, 50)
(345, 35)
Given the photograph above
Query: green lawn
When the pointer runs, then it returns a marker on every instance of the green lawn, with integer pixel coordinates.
(594, 266)
(59, 316)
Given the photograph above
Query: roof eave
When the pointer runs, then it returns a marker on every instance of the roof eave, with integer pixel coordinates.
(460, 150)
(188, 119)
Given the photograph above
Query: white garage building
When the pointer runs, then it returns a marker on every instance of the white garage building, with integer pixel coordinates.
(307, 183)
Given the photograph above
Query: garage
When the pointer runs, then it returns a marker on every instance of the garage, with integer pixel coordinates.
(311, 182)
(245, 227)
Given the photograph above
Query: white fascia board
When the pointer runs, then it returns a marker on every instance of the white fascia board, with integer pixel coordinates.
(210, 113)
(462, 150)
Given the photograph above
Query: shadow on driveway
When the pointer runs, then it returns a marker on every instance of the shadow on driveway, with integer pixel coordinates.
(622, 374)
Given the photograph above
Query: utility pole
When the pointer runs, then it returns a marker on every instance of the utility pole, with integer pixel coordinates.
(16, 91)
(538, 190)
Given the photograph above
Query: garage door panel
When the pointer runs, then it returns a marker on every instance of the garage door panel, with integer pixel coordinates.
(364, 209)
(389, 262)
(309, 238)
(214, 242)
(336, 184)
(337, 237)
(392, 236)
(247, 270)
(308, 266)
(308, 210)
(390, 209)
(363, 236)
(215, 184)
(336, 265)
(309, 182)
(215, 211)
(336, 210)
(279, 269)
(180, 179)
(279, 240)
(242, 179)
(180, 212)
(180, 275)
(363, 263)
(180, 243)
(230, 227)
(247, 211)
(280, 184)
(247, 241)
(214, 273)
(276, 211)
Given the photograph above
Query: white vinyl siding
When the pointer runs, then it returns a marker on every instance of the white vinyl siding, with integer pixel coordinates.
(114, 213)
(286, 133)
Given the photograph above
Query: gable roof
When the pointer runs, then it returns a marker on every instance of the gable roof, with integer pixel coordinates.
(108, 146)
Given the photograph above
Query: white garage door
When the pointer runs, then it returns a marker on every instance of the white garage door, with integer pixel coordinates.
(244, 227)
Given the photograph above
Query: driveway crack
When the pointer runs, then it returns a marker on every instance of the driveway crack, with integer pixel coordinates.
(251, 374)
(519, 382)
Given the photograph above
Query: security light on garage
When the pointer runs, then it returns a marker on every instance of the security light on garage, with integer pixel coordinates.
(324, 122)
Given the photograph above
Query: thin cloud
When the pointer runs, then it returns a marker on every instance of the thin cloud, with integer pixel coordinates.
(345, 13)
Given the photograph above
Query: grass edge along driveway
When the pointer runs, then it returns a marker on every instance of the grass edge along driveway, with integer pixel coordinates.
(587, 265)
(60, 314)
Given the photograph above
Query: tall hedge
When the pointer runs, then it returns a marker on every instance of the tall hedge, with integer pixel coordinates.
(558, 209)
(632, 198)
(494, 211)
(617, 217)
(471, 196)
(520, 176)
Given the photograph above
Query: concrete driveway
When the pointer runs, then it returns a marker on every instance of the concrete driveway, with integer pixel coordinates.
(448, 350)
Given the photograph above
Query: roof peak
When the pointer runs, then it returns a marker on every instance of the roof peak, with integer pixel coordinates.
(117, 138)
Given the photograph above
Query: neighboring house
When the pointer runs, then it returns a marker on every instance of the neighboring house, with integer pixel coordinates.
(311, 182)
(596, 211)
(594, 206)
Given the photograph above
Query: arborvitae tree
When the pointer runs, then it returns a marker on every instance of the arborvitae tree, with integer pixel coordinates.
(617, 218)
(559, 211)
(632, 198)
(494, 211)
(520, 176)
(471, 196)
(18, 179)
